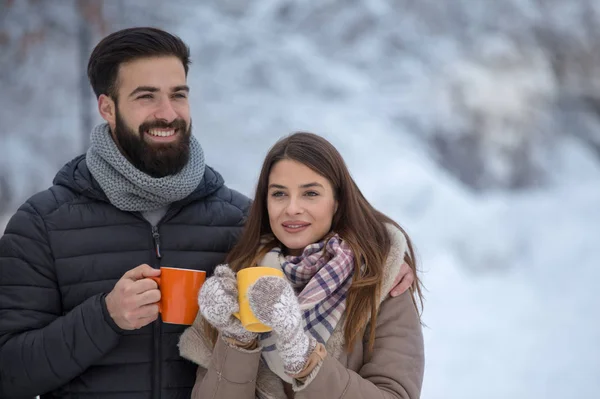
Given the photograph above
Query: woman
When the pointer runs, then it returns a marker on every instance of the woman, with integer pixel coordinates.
(336, 331)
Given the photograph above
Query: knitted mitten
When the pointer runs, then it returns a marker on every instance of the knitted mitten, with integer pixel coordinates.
(274, 303)
(218, 300)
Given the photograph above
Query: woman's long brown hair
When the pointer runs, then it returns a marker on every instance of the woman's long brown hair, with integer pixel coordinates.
(355, 220)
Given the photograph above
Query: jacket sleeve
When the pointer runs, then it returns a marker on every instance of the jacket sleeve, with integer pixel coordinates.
(41, 346)
(393, 370)
(231, 374)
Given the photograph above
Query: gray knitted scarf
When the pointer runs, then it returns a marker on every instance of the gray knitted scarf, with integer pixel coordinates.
(130, 189)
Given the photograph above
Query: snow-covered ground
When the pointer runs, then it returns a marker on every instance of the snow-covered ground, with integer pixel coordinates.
(512, 299)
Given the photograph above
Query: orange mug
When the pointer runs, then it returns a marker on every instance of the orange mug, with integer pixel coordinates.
(179, 294)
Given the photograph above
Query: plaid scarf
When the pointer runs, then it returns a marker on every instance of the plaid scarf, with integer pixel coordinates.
(322, 276)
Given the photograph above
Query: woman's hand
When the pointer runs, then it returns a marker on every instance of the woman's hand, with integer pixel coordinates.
(403, 280)
(274, 303)
(218, 300)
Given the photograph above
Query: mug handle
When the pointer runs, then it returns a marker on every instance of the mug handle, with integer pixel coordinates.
(157, 280)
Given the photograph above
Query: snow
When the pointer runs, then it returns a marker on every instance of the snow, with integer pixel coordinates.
(510, 276)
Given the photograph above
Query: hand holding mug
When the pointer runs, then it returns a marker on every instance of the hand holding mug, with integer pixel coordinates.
(245, 279)
(275, 304)
(218, 301)
(132, 303)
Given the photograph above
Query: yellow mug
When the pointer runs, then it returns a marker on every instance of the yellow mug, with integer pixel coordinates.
(245, 278)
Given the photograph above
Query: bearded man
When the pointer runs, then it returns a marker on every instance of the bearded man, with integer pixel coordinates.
(78, 313)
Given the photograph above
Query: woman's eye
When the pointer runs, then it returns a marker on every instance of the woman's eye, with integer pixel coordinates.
(312, 193)
(277, 194)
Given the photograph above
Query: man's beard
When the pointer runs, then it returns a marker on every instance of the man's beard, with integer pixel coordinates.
(154, 159)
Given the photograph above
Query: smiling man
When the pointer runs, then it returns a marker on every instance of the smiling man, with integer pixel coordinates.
(149, 115)
(78, 313)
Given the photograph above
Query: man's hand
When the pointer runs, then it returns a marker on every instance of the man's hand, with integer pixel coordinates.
(133, 302)
(403, 280)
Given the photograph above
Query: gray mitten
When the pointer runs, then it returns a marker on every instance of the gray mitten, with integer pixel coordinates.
(274, 303)
(218, 300)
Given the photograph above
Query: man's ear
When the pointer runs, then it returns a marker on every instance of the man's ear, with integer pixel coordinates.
(108, 110)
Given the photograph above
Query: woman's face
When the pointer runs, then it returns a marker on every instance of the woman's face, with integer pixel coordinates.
(300, 203)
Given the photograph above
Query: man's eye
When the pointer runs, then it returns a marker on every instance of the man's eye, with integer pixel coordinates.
(180, 95)
(145, 96)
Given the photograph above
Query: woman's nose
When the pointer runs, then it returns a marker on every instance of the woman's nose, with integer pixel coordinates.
(294, 207)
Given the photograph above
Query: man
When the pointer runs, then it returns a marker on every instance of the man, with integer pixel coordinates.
(76, 308)
(78, 313)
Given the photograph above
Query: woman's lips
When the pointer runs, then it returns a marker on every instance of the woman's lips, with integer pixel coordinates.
(295, 227)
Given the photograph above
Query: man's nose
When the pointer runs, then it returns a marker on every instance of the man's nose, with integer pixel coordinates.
(165, 111)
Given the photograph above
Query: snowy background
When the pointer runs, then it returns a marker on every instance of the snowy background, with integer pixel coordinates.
(475, 124)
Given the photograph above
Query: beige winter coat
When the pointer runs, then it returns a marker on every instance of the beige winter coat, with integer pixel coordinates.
(393, 370)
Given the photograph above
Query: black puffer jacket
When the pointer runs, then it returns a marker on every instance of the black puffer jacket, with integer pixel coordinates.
(62, 251)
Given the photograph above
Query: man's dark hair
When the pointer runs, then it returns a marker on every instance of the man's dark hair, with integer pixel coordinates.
(128, 45)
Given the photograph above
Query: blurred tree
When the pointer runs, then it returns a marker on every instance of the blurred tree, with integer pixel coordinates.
(91, 22)
(570, 35)
(6, 194)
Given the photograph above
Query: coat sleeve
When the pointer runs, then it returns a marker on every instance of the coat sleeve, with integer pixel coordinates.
(231, 374)
(393, 370)
(41, 346)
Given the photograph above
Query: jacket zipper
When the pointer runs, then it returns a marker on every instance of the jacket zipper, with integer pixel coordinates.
(157, 329)
(156, 237)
